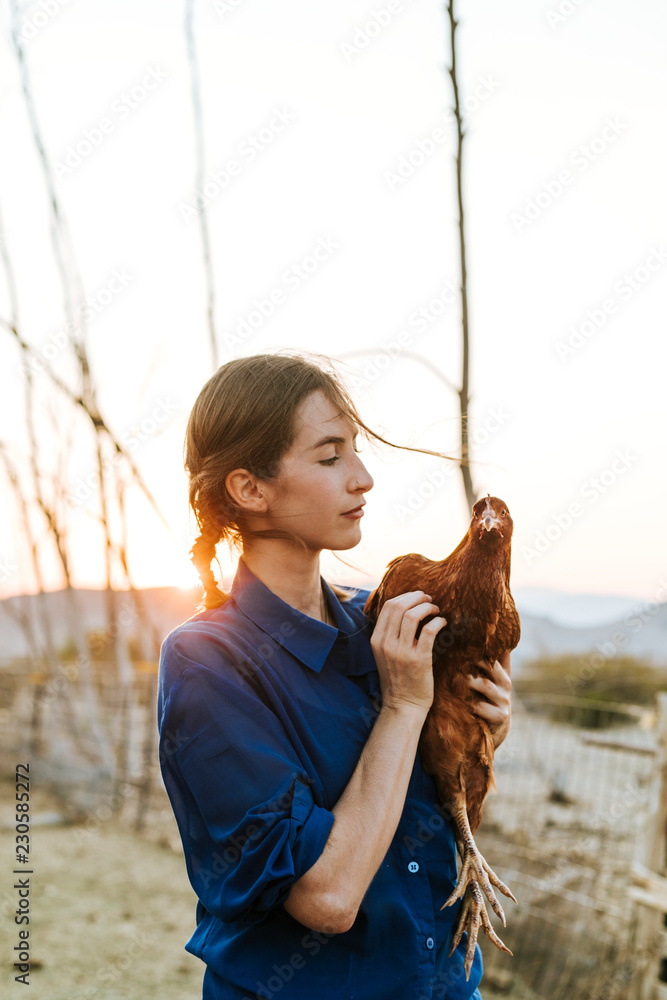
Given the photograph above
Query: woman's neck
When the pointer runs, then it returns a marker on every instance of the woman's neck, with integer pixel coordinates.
(291, 573)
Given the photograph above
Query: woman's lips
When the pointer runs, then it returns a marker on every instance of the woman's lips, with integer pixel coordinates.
(354, 513)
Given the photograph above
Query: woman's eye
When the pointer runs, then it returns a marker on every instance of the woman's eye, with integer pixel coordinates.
(330, 461)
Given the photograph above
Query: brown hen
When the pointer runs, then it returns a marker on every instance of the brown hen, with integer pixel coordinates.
(472, 589)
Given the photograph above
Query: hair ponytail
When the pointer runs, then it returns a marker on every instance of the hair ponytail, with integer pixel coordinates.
(202, 555)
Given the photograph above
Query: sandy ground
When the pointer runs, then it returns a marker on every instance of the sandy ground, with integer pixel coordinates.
(110, 913)
(111, 910)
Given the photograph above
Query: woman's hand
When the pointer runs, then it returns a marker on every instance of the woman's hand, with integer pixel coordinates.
(496, 706)
(405, 664)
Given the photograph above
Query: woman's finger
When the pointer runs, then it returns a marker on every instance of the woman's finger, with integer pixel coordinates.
(492, 714)
(394, 609)
(500, 676)
(499, 671)
(399, 616)
(505, 662)
(497, 694)
(413, 617)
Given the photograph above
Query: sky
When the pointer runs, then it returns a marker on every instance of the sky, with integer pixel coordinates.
(331, 199)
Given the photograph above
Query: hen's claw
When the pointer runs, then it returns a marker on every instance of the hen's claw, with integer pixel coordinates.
(474, 876)
(474, 869)
(473, 914)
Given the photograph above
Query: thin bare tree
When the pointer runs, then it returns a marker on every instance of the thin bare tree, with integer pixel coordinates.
(464, 394)
(200, 174)
(113, 464)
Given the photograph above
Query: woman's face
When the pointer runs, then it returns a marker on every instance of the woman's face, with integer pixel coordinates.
(318, 493)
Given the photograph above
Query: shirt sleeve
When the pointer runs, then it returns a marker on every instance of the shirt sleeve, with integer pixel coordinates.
(244, 803)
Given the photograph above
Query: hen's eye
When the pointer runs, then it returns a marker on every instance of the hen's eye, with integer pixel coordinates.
(330, 461)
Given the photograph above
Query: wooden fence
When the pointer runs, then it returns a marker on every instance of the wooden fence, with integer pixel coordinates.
(580, 817)
(649, 891)
(577, 828)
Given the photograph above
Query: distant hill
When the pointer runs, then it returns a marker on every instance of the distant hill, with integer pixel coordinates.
(640, 634)
(635, 629)
(574, 610)
(166, 606)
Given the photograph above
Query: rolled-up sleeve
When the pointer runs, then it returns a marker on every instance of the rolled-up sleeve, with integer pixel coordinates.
(243, 800)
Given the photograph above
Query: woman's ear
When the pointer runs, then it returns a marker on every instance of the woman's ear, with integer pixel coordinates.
(246, 491)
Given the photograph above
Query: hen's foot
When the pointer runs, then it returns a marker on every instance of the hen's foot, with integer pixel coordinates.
(475, 869)
(473, 915)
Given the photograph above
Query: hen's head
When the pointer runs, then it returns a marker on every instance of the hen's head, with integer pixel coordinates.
(491, 525)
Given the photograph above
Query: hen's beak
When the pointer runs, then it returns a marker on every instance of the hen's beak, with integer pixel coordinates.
(490, 520)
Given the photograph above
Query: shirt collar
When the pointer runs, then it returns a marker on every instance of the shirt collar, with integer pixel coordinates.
(308, 639)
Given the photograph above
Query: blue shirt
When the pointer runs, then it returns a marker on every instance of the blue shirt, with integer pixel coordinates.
(263, 714)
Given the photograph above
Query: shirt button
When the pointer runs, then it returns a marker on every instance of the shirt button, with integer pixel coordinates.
(413, 866)
(430, 943)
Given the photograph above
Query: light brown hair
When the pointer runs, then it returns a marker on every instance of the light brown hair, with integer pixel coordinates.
(244, 417)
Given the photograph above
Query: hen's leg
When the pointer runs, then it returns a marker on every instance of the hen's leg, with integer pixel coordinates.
(475, 872)
(473, 866)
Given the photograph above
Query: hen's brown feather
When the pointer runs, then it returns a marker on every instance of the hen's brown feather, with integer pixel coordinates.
(471, 589)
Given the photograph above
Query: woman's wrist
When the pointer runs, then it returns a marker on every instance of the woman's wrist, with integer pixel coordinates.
(410, 713)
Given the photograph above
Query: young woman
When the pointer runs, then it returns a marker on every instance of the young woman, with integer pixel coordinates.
(288, 734)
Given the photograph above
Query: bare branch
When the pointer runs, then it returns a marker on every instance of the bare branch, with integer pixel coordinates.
(200, 166)
(411, 356)
(62, 245)
(464, 398)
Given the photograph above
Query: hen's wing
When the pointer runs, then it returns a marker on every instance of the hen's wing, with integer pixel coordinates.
(402, 575)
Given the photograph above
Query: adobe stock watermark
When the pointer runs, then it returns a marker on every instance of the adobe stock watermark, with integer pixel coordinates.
(8, 568)
(291, 280)
(95, 305)
(70, 670)
(424, 148)
(591, 491)
(40, 15)
(366, 33)
(280, 975)
(107, 806)
(625, 804)
(132, 440)
(121, 109)
(580, 159)
(218, 181)
(633, 622)
(138, 945)
(390, 350)
(225, 7)
(420, 494)
(564, 10)
(277, 810)
(624, 289)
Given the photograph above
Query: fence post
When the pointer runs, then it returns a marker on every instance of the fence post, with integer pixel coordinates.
(653, 855)
(149, 754)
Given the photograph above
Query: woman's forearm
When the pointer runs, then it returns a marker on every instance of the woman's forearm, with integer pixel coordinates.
(326, 898)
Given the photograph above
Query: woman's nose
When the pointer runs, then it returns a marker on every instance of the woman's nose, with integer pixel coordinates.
(363, 478)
